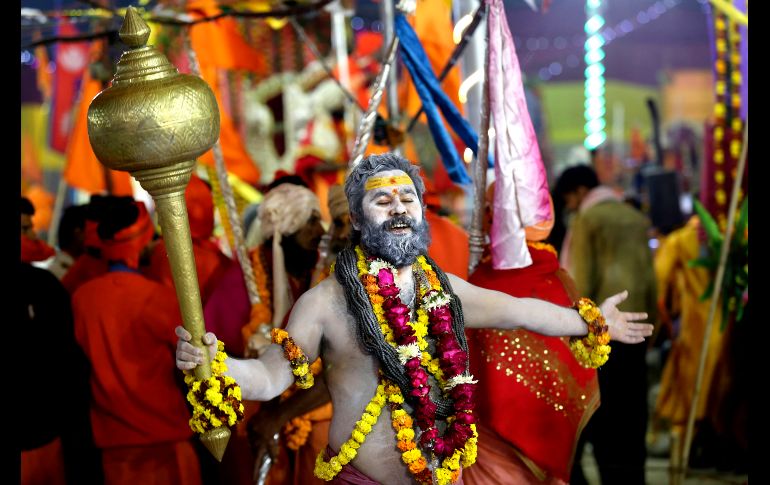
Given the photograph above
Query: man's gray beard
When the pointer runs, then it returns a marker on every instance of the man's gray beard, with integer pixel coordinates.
(397, 249)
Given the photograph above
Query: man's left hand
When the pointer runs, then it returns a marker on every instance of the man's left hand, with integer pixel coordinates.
(621, 324)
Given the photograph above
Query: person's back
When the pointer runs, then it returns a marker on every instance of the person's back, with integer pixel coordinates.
(610, 250)
(122, 321)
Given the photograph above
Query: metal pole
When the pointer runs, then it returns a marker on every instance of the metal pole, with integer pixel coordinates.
(479, 167)
(472, 60)
(367, 121)
(387, 13)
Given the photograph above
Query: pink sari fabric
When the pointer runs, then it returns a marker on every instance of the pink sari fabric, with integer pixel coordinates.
(498, 462)
(521, 194)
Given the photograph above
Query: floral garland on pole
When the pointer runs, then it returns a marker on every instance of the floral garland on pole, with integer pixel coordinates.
(216, 401)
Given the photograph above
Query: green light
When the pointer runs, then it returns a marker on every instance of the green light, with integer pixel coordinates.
(594, 140)
(594, 126)
(593, 101)
(593, 24)
(592, 57)
(594, 91)
(594, 112)
(594, 70)
(594, 42)
(593, 4)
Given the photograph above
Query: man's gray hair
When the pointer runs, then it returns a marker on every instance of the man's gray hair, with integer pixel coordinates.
(371, 165)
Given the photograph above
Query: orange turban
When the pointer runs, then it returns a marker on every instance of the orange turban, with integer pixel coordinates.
(127, 244)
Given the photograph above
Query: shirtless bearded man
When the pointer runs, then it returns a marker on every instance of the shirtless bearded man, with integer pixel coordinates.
(389, 327)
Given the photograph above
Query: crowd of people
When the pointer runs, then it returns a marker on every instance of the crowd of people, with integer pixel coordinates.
(105, 299)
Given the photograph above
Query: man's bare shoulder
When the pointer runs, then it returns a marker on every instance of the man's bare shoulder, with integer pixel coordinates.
(326, 295)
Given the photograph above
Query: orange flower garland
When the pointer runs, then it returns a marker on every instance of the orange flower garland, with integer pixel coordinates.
(261, 314)
(592, 350)
(303, 378)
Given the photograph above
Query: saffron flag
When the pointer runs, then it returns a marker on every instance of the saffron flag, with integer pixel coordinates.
(83, 170)
(71, 62)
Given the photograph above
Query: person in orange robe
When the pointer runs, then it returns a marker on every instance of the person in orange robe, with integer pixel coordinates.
(209, 260)
(124, 323)
(448, 241)
(534, 397)
(90, 264)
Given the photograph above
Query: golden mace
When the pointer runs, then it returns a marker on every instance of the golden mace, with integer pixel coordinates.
(153, 122)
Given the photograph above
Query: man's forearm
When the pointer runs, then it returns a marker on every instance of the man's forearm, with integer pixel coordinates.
(549, 319)
(259, 379)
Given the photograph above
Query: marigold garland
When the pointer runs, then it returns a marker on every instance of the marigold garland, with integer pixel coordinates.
(327, 470)
(458, 443)
(261, 313)
(216, 401)
(592, 350)
(303, 378)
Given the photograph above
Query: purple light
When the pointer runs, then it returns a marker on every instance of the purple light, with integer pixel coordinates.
(377, 26)
(642, 18)
(652, 13)
(626, 26)
(542, 43)
(609, 34)
(544, 74)
(357, 23)
(659, 8)
(532, 44)
(573, 61)
(554, 68)
(560, 42)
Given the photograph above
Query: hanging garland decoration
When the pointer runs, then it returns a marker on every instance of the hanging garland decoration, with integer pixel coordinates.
(728, 126)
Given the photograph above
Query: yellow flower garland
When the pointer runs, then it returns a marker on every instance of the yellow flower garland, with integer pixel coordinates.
(327, 470)
(592, 350)
(216, 401)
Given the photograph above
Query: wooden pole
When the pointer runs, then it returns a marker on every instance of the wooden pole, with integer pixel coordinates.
(714, 301)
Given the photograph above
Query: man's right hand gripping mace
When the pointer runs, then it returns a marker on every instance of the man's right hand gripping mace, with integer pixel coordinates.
(153, 122)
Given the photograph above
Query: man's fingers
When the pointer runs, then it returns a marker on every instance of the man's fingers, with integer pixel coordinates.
(618, 298)
(182, 333)
(645, 329)
(634, 317)
(185, 365)
(209, 339)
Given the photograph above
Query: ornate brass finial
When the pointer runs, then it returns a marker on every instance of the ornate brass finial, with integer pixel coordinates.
(134, 32)
(154, 122)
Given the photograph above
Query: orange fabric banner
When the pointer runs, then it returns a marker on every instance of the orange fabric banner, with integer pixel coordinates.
(432, 23)
(237, 160)
(218, 43)
(83, 170)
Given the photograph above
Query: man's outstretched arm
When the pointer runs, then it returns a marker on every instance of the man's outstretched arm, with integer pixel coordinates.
(493, 309)
(267, 377)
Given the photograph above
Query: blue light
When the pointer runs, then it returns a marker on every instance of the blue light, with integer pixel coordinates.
(593, 24)
(26, 57)
(555, 68)
(357, 23)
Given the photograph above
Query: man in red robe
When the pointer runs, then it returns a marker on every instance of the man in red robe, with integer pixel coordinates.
(123, 323)
(209, 260)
